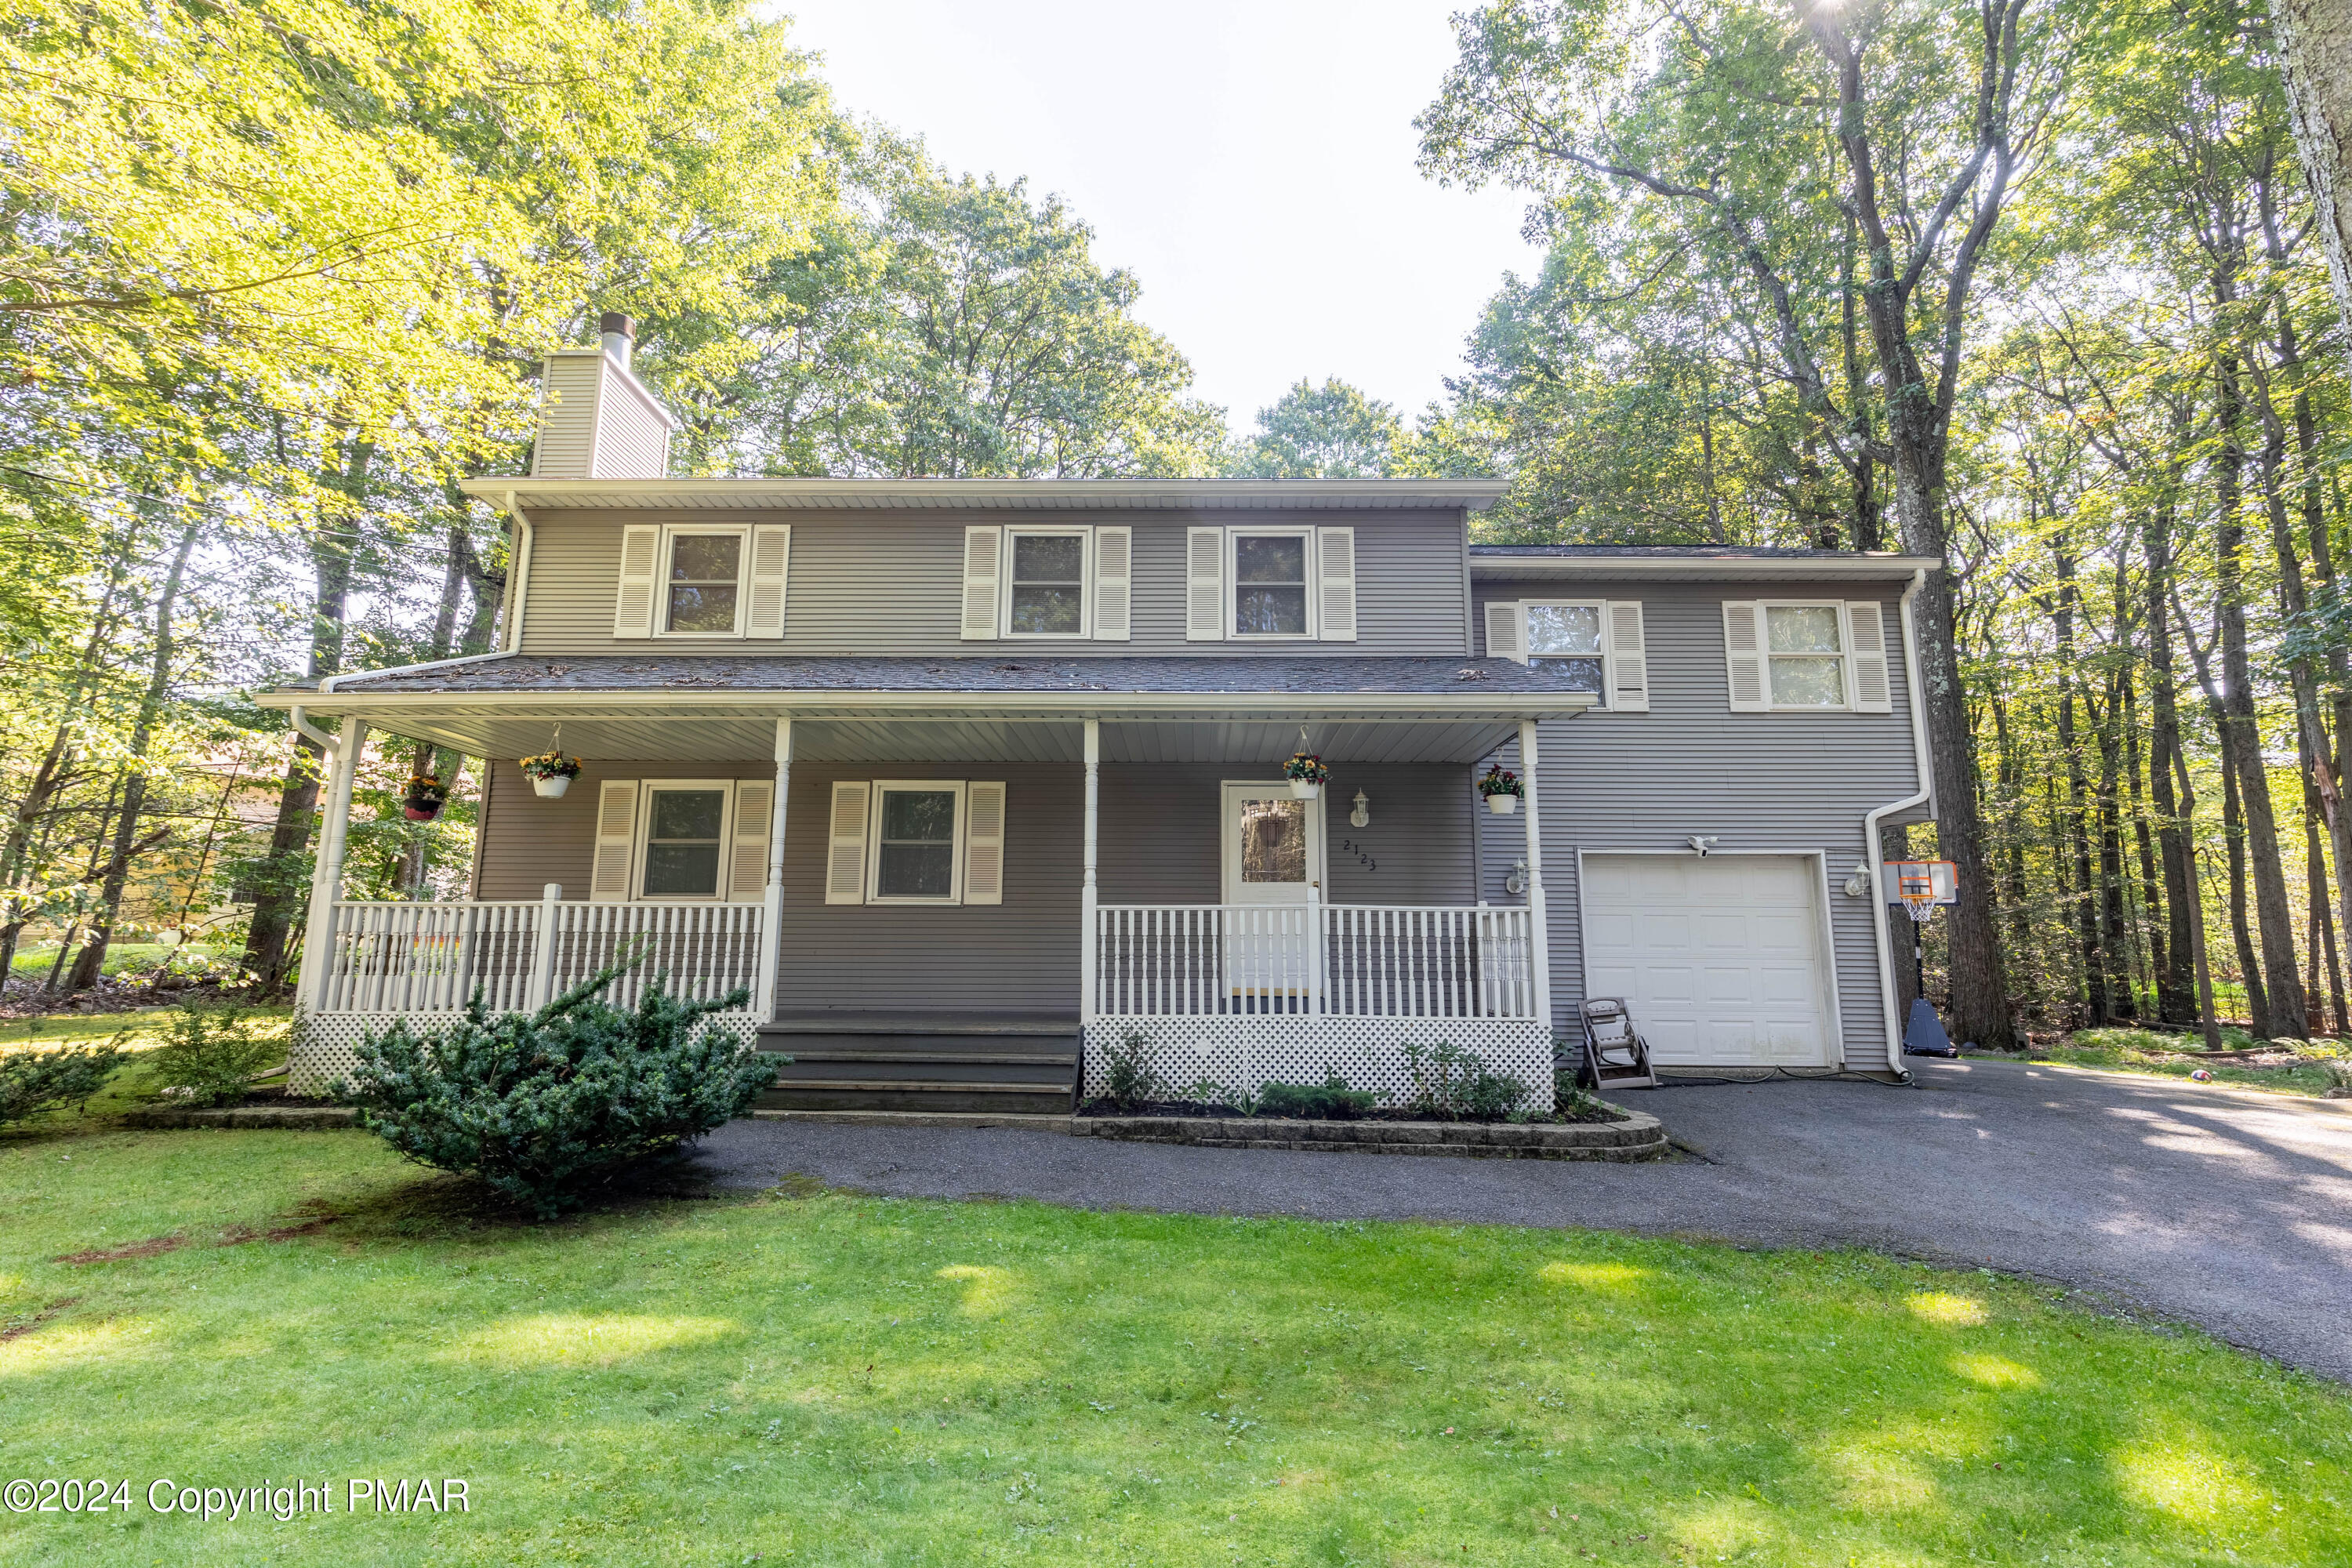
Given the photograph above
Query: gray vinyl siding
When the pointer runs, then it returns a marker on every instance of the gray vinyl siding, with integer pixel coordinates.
(567, 431)
(528, 842)
(892, 584)
(1158, 841)
(1797, 782)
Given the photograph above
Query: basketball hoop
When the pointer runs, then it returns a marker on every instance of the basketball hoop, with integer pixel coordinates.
(1921, 885)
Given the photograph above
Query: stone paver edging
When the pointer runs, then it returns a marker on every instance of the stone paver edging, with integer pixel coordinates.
(1638, 1137)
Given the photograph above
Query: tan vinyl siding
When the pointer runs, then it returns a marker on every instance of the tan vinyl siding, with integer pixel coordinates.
(567, 435)
(632, 436)
(1689, 765)
(868, 584)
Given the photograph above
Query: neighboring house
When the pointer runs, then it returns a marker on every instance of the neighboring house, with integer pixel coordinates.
(957, 777)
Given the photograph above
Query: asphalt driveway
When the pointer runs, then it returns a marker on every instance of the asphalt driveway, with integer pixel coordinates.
(2229, 1209)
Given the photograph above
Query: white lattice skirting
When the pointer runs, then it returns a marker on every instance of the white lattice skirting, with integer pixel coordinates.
(1244, 1052)
(323, 1041)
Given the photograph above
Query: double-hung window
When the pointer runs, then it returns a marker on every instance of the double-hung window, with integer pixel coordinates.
(686, 840)
(1796, 655)
(701, 581)
(916, 841)
(1270, 578)
(679, 840)
(1048, 588)
(1568, 634)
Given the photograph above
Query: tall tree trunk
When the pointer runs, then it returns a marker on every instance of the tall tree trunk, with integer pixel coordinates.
(87, 967)
(2115, 937)
(2315, 43)
(2150, 903)
(2233, 832)
(2240, 731)
(2097, 1006)
(2176, 988)
(279, 901)
(2208, 1020)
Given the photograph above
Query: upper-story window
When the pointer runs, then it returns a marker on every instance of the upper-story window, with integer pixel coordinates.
(1069, 582)
(704, 590)
(1568, 634)
(702, 580)
(1049, 596)
(1795, 655)
(1597, 644)
(1270, 583)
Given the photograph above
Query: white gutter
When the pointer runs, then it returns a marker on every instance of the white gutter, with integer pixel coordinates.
(1871, 850)
(310, 731)
(519, 583)
(527, 702)
(1019, 495)
(1487, 568)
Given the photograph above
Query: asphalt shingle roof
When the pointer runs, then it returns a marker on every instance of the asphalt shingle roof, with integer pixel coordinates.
(1319, 673)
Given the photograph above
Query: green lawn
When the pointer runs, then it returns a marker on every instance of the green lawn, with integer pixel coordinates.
(815, 1377)
(2177, 1056)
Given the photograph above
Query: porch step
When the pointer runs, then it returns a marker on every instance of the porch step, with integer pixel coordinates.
(980, 1064)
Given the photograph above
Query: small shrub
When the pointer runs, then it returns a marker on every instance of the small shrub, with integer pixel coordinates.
(544, 1107)
(1572, 1101)
(1330, 1100)
(35, 1082)
(1456, 1084)
(1129, 1078)
(211, 1054)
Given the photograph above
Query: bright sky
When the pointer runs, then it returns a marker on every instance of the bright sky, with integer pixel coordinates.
(1251, 161)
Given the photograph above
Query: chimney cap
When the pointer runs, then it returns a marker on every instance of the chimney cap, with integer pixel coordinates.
(612, 322)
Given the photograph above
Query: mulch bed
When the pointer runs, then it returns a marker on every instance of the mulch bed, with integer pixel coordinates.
(1201, 1107)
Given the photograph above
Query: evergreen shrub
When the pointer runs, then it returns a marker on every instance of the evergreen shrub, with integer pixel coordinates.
(35, 1082)
(211, 1054)
(544, 1107)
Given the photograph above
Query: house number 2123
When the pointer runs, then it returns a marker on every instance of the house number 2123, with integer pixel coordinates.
(1362, 852)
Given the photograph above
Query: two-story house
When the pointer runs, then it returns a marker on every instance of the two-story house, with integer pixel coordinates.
(966, 780)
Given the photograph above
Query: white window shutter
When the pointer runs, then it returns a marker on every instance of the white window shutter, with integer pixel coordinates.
(1872, 692)
(1743, 655)
(633, 607)
(771, 557)
(1629, 659)
(617, 840)
(747, 865)
(1507, 630)
(1205, 584)
(983, 842)
(984, 566)
(1114, 583)
(1336, 556)
(844, 857)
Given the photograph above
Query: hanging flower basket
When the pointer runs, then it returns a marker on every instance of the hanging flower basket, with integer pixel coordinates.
(549, 774)
(426, 795)
(1502, 789)
(1307, 774)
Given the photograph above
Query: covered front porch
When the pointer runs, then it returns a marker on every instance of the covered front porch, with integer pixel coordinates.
(1117, 875)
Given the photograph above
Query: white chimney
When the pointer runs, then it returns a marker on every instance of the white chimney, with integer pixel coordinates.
(596, 419)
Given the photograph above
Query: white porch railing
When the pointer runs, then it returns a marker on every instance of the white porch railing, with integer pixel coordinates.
(1332, 960)
(428, 958)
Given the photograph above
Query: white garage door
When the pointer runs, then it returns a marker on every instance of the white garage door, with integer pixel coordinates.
(1720, 959)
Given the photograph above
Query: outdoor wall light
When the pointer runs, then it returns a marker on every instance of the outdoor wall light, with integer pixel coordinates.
(1516, 882)
(1362, 816)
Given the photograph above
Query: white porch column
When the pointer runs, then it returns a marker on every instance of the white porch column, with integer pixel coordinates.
(1087, 896)
(772, 913)
(1538, 916)
(327, 870)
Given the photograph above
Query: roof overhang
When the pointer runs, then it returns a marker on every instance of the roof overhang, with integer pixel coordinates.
(949, 726)
(1485, 567)
(990, 495)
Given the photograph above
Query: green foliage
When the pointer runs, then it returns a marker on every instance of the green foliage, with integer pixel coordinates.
(1129, 1078)
(1331, 432)
(35, 1082)
(1456, 1084)
(1330, 1100)
(212, 1053)
(544, 1107)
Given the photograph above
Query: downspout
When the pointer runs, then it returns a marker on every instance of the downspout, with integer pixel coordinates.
(1871, 849)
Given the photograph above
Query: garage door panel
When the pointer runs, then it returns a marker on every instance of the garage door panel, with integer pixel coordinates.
(1720, 959)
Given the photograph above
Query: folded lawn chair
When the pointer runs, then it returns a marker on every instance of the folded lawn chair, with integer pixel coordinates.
(1615, 1055)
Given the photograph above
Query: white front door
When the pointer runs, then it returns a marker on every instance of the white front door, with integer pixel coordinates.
(1272, 845)
(1720, 960)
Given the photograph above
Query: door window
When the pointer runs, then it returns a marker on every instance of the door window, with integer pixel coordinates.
(1273, 840)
